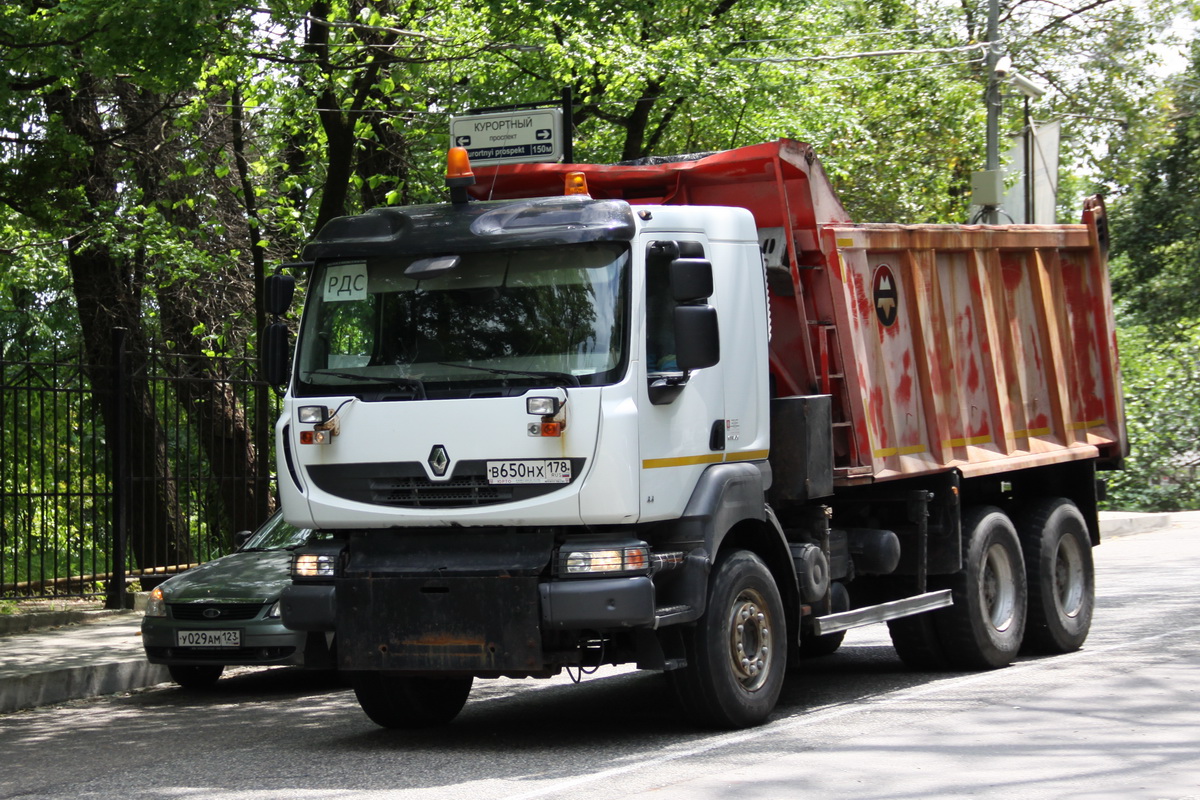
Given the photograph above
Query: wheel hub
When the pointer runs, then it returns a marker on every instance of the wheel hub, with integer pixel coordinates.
(1068, 577)
(997, 588)
(750, 639)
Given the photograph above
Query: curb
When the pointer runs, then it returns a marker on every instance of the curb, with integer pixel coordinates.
(1122, 523)
(74, 683)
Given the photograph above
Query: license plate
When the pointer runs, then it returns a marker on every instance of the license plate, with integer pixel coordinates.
(211, 638)
(550, 470)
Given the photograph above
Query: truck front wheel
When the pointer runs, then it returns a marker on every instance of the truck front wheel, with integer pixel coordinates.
(400, 701)
(737, 652)
(985, 626)
(1058, 561)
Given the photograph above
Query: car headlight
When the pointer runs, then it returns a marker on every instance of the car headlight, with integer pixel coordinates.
(273, 611)
(607, 560)
(314, 565)
(156, 606)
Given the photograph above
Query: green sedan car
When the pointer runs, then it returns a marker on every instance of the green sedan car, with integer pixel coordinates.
(226, 612)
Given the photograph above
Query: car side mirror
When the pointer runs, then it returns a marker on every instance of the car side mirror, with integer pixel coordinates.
(240, 538)
(278, 290)
(691, 279)
(697, 337)
(276, 346)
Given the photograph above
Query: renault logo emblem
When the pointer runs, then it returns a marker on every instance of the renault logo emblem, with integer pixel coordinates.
(438, 460)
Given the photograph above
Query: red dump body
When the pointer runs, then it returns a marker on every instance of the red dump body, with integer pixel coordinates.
(981, 348)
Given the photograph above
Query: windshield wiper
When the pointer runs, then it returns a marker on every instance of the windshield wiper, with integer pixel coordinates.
(411, 383)
(559, 378)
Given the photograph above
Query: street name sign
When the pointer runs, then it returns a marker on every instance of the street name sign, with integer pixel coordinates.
(510, 137)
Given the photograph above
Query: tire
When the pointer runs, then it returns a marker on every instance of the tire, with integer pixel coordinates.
(986, 625)
(721, 686)
(400, 701)
(812, 646)
(916, 642)
(203, 676)
(1062, 585)
(817, 646)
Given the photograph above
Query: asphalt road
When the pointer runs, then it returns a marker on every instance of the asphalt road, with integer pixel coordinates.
(1119, 719)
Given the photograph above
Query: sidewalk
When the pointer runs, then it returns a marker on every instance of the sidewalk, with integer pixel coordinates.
(95, 653)
(51, 657)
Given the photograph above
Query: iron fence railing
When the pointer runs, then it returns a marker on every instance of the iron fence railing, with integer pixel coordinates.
(81, 516)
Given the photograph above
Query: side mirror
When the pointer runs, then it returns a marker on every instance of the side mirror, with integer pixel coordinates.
(691, 279)
(278, 290)
(276, 347)
(697, 337)
(240, 538)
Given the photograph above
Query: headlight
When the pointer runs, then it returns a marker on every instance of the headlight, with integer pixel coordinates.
(157, 605)
(314, 565)
(273, 611)
(542, 406)
(606, 560)
(317, 414)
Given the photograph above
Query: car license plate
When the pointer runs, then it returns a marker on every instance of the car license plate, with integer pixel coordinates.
(550, 470)
(213, 638)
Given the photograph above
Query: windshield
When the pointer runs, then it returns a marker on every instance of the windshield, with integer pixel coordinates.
(275, 534)
(496, 322)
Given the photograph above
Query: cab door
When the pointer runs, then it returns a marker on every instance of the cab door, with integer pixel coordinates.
(681, 416)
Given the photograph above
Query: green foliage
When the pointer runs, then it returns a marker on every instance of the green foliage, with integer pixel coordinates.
(1162, 396)
(1155, 231)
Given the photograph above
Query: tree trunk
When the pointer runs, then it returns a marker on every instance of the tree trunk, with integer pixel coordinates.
(157, 535)
(106, 297)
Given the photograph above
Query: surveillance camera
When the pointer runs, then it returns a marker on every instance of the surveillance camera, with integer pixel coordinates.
(1003, 67)
(1027, 87)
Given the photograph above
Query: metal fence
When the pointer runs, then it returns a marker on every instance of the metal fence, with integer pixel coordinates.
(69, 498)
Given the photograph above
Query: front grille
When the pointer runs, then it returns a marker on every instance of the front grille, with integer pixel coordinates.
(228, 611)
(473, 490)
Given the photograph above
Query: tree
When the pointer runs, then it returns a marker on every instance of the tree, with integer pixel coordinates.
(1156, 232)
(92, 160)
(1162, 396)
(1155, 271)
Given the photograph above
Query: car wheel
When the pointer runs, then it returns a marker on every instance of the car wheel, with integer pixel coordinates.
(203, 676)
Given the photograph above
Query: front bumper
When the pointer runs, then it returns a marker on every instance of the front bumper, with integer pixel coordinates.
(604, 603)
(264, 642)
(565, 605)
(480, 624)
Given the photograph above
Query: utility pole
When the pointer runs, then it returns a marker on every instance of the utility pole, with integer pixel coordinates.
(991, 99)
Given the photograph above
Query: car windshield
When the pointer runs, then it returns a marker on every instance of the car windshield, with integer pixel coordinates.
(275, 534)
(496, 322)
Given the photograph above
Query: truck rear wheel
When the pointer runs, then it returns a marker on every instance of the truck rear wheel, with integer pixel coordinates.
(812, 646)
(737, 652)
(985, 626)
(1062, 590)
(401, 701)
(916, 642)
